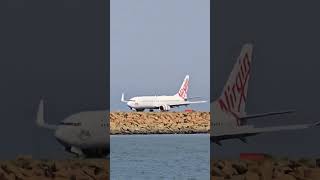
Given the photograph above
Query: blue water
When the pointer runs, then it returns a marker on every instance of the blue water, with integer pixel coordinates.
(138, 157)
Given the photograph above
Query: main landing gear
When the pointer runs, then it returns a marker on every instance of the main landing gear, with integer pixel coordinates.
(139, 110)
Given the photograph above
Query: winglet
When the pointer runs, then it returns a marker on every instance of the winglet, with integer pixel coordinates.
(122, 98)
(40, 117)
(40, 114)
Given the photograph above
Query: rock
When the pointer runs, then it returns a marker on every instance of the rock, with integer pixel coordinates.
(240, 167)
(216, 172)
(238, 177)
(269, 169)
(266, 170)
(220, 164)
(228, 170)
(285, 177)
(252, 176)
(164, 122)
(216, 178)
(299, 171)
(54, 169)
(313, 174)
(286, 170)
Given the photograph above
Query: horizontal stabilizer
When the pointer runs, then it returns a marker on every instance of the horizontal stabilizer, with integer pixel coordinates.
(185, 103)
(276, 128)
(195, 102)
(266, 114)
(196, 97)
(280, 128)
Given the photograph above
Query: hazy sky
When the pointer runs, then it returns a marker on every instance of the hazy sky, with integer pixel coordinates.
(154, 44)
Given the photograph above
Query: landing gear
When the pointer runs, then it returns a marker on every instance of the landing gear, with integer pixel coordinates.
(139, 110)
(150, 110)
(76, 151)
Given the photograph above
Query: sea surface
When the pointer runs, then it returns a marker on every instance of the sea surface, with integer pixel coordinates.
(176, 157)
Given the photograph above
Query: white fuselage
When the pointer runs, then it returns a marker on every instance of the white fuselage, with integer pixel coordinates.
(87, 132)
(153, 102)
(225, 125)
(163, 103)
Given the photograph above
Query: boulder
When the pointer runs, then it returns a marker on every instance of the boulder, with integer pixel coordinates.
(159, 122)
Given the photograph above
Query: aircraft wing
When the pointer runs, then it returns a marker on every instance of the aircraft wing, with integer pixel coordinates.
(186, 103)
(253, 131)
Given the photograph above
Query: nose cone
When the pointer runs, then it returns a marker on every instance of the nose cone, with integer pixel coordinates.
(130, 104)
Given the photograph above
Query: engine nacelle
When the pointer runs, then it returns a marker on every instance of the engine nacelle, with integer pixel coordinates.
(164, 107)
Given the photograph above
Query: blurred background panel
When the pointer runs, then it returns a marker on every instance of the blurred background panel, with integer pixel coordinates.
(52, 50)
(284, 72)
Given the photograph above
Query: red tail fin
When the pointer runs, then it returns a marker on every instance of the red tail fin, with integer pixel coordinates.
(183, 91)
(234, 94)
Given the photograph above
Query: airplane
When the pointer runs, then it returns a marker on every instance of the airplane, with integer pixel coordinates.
(163, 103)
(229, 118)
(85, 134)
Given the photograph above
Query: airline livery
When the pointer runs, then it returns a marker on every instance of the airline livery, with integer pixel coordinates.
(229, 116)
(85, 134)
(163, 103)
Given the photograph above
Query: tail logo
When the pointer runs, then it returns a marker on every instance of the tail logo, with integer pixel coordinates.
(184, 89)
(235, 93)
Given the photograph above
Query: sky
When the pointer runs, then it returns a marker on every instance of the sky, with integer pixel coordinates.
(154, 44)
(285, 70)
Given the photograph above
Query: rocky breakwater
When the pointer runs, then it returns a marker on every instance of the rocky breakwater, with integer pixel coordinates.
(159, 122)
(264, 170)
(26, 168)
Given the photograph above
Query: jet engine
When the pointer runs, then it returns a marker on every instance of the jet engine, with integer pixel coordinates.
(164, 107)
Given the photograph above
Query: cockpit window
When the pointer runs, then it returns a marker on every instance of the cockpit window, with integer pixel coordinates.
(70, 123)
